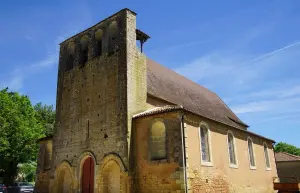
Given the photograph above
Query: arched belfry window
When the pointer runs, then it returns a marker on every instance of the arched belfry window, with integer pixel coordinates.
(69, 55)
(98, 42)
(158, 148)
(231, 149)
(205, 145)
(113, 33)
(84, 43)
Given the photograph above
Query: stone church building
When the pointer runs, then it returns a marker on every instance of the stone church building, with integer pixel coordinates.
(125, 123)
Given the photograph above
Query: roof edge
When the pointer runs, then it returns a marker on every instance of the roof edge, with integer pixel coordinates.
(172, 108)
(157, 110)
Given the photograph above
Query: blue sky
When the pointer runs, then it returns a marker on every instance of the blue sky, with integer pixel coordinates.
(248, 53)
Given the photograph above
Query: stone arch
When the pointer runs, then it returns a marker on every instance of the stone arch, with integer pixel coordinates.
(113, 176)
(80, 162)
(98, 36)
(64, 178)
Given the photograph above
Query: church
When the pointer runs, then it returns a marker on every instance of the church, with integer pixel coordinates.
(125, 123)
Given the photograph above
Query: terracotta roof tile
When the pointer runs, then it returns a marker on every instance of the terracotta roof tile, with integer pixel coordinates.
(284, 157)
(168, 85)
(157, 110)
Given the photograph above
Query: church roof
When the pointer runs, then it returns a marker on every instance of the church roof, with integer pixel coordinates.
(285, 157)
(170, 86)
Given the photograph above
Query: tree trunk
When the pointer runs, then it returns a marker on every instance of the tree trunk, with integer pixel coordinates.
(10, 173)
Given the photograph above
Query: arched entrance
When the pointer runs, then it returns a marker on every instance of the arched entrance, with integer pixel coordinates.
(111, 177)
(87, 178)
(64, 181)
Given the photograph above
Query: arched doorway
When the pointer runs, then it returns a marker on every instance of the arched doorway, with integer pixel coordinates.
(87, 178)
(64, 181)
(111, 177)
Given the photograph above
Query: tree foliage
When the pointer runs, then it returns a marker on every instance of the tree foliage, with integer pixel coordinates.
(45, 115)
(19, 130)
(285, 147)
(28, 171)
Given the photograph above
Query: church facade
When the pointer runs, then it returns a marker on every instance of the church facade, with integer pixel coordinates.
(125, 123)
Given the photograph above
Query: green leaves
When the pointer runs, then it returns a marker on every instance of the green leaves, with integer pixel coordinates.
(284, 147)
(19, 130)
(45, 115)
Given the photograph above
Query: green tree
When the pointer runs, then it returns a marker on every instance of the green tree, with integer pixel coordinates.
(285, 147)
(27, 171)
(19, 130)
(45, 114)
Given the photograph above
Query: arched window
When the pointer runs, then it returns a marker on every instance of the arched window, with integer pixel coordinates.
(251, 153)
(158, 140)
(84, 49)
(113, 33)
(267, 156)
(231, 149)
(69, 55)
(98, 42)
(205, 144)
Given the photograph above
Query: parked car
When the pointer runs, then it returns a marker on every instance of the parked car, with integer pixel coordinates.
(21, 187)
(3, 188)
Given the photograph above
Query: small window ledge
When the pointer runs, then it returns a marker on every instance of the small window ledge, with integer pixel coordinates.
(205, 163)
(268, 169)
(253, 167)
(235, 166)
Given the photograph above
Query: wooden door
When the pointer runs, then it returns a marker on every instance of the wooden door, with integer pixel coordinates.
(87, 180)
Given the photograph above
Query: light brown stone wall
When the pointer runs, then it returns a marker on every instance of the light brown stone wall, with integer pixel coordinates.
(96, 101)
(220, 177)
(43, 169)
(164, 175)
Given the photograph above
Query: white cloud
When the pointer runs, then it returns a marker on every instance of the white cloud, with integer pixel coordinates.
(267, 105)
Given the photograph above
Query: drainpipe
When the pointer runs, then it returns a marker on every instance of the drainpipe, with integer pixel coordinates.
(183, 152)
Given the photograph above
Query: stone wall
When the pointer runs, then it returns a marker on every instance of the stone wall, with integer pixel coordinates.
(164, 175)
(96, 98)
(43, 167)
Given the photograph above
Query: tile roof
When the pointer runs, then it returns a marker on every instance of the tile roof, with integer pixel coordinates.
(166, 84)
(285, 157)
(157, 110)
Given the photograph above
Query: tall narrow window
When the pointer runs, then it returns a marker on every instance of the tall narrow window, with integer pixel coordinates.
(267, 156)
(231, 149)
(251, 153)
(88, 129)
(205, 145)
(158, 147)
